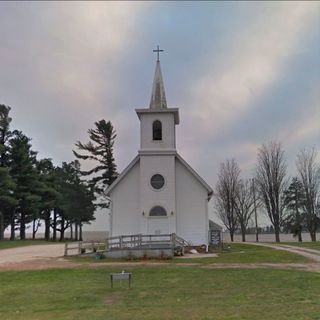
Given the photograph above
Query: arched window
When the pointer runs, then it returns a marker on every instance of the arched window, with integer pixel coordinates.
(157, 130)
(158, 211)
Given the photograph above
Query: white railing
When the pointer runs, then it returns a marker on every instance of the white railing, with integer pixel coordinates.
(126, 242)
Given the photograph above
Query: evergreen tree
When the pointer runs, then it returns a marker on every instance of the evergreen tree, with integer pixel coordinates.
(50, 195)
(6, 183)
(76, 205)
(100, 150)
(7, 199)
(22, 169)
(295, 202)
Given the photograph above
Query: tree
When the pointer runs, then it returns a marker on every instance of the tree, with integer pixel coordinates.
(77, 204)
(244, 205)
(22, 169)
(295, 201)
(270, 177)
(50, 195)
(6, 182)
(4, 133)
(226, 193)
(7, 200)
(309, 172)
(100, 149)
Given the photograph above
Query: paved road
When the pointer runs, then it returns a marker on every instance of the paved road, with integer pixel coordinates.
(31, 253)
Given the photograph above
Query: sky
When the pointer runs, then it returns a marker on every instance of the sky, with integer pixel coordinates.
(241, 73)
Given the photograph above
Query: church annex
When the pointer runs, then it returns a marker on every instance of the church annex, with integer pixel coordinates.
(158, 192)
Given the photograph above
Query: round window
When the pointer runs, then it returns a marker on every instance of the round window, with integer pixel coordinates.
(157, 181)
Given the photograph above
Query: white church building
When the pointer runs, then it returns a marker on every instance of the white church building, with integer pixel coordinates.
(158, 192)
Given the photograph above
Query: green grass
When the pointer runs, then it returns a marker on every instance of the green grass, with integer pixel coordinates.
(7, 244)
(309, 245)
(168, 292)
(247, 253)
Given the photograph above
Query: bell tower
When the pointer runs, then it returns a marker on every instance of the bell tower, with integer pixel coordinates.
(157, 160)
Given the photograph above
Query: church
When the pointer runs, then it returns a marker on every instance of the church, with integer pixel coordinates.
(158, 192)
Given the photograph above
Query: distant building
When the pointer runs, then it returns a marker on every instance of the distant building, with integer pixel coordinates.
(158, 192)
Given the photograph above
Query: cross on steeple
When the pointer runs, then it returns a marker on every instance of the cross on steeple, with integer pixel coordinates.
(157, 51)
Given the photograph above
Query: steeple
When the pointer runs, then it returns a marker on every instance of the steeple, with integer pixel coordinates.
(158, 96)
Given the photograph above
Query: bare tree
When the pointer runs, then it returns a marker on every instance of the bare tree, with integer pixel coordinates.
(225, 195)
(244, 205)
(271, 171)
(309, 172)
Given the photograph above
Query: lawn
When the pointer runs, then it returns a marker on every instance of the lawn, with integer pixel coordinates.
(168, 292)
(247, 253)
(7, 244)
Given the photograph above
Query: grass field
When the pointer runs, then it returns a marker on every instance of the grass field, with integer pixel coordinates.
(246, 253)
(168, 292)
(7, 244)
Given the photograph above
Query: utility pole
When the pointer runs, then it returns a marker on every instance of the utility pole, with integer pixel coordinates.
(255, 209)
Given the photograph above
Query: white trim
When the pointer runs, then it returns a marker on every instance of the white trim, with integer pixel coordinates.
(175, 111)
(153, 152)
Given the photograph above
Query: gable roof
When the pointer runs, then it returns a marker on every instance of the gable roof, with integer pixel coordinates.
(178, 157)
(194, 173)
(122, 174)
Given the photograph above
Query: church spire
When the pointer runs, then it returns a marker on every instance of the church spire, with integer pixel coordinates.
(158, 96)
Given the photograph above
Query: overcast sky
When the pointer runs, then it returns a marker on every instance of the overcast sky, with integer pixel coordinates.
(242, 74)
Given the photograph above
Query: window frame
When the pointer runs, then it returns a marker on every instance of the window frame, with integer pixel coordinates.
(157, 123)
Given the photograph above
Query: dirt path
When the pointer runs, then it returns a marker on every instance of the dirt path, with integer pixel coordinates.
(29, 255)
(311, 254)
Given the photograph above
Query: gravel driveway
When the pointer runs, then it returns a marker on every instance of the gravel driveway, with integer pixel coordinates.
(30, 253)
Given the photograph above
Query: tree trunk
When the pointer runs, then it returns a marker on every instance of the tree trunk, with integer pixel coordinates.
(54, 233)
(80, 232)
(299, 236)
(75, 231)
(313, 236)
(23, 226)
(1, 225)
(12, 225)
(33, 229)
(71, 231)
(277, 233)
(47, 226)
(243, 232)
(62, 230)
(231, 236)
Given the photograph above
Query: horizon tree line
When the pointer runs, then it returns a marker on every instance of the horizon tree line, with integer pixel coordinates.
(291, 206)
(35, 192)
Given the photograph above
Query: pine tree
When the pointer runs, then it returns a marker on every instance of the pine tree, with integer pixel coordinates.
(7, 185)
(295, 201)
(22, 162)
(100, 149)
(50, 195)
(7, 199)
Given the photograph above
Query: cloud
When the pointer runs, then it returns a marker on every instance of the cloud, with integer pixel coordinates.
(253, 63)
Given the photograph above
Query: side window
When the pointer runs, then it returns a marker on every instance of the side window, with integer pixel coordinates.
(157, 130)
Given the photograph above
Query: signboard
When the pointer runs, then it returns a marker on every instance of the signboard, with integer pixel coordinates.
(215, 237)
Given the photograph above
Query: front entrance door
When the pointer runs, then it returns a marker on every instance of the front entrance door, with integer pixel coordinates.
(158, 225)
